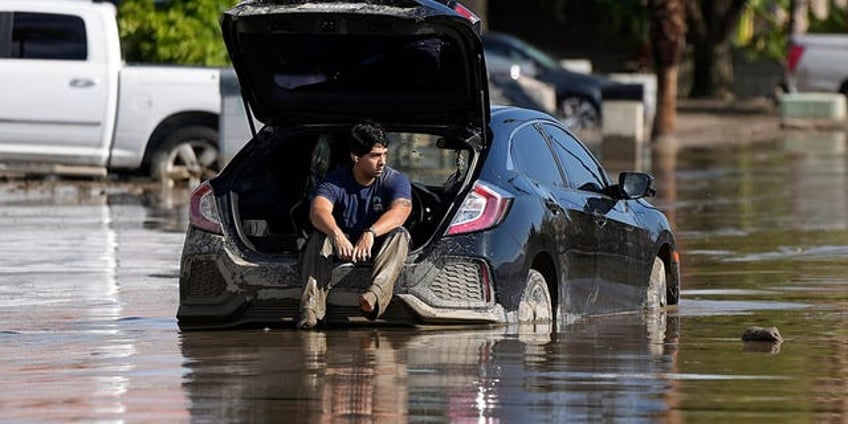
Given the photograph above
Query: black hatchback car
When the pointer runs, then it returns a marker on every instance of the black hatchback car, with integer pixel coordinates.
(513, 218)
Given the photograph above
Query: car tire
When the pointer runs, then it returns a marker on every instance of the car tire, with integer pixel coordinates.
(186, 155)
(535, 304)
(579, 113)
(657, 293)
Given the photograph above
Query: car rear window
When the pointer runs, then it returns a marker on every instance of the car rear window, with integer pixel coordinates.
(355, 63)
(332, 74)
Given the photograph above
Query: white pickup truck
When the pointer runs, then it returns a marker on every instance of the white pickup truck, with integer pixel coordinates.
(69, 104)
(818, 62)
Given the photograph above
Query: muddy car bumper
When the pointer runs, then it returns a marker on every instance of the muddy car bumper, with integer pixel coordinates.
(220, 288)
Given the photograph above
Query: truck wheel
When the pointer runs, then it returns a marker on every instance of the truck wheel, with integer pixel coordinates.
(535, 304)
(187, 155)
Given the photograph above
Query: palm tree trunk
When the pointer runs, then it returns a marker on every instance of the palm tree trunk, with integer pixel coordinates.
(668, 32)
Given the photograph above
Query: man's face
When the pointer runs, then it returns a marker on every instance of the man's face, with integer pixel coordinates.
(371, 164)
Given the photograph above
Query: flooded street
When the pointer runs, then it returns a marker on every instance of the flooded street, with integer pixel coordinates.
(89, 290)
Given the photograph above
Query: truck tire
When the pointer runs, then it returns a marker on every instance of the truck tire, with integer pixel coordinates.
(188, 155)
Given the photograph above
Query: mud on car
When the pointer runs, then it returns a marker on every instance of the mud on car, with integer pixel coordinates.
(513, 218)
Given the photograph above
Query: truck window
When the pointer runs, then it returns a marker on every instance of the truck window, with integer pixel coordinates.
(48, 36)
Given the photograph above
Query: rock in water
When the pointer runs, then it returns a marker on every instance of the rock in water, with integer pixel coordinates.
(761, 334)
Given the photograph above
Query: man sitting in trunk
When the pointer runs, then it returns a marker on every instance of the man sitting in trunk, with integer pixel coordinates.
(356, 210)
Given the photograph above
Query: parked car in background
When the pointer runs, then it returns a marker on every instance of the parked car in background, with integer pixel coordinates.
(71, 105)
(513, 219)
(817, 62)
(578, 95)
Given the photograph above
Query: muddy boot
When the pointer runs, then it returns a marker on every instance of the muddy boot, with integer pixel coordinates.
(317, 269)
(387, 267)
(308, 320)
(368, 304)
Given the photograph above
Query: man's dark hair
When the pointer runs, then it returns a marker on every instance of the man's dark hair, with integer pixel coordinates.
(365, 135)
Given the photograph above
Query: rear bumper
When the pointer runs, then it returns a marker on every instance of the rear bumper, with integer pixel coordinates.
(222, 289)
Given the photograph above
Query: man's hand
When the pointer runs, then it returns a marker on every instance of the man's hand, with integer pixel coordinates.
(362, 251)
(343, 247)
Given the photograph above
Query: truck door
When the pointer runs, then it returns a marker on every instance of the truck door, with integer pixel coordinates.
(55, 89)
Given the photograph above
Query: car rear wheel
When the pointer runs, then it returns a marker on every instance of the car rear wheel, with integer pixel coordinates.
(578, 113)
(656, 296)
(187, 155)
(535, 304)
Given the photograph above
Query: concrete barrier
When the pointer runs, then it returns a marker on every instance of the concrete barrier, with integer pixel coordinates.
(583, 66)
(649, 97)
(816, 106)
(623, 135)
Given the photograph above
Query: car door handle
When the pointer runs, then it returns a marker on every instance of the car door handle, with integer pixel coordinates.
(82, 83)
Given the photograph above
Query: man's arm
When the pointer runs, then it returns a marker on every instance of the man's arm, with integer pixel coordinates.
(321, 216)
(394, 217)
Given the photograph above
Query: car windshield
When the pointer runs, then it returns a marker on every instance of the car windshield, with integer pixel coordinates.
(535, 54)
(420, 157)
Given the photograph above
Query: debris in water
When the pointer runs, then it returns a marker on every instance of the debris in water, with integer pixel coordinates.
(761, 334)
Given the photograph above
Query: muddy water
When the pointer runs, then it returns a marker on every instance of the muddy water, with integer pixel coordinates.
(88, 292)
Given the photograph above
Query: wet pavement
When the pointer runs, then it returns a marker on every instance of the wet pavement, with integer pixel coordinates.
(88, 293)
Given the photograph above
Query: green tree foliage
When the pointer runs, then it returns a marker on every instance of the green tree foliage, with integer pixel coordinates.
(182, 32)
(764, 32)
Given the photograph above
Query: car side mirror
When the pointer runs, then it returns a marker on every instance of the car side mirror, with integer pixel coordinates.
(635, 185)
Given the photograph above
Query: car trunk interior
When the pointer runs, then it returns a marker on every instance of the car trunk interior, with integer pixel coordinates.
(269, 184)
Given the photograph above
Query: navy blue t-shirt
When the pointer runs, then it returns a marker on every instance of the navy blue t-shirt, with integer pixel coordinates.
(357, 207)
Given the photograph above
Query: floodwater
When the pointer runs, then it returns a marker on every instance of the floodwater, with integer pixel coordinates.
(89, 287)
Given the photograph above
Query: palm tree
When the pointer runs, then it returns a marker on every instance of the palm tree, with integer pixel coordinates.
(668, 38)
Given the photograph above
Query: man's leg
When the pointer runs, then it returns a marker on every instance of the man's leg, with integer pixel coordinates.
(387, 267)
(317, 271)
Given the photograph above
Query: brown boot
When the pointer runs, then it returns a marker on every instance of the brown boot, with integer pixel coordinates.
(308, 320)
(368, 304)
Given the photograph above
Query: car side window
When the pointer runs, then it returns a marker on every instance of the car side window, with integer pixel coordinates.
(48, 36)
(581, 169)
(533, 156)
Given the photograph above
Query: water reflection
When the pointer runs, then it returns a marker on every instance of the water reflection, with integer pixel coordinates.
(763, 229)
(89, 283)
(602, 367)
(818, 173)
(74, 278)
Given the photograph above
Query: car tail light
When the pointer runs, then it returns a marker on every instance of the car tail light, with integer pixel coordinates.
(482, 208)
(203, 212)
(794, 56)
(465, 13)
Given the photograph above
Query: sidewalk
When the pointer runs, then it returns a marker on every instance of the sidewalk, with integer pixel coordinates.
(710, 122)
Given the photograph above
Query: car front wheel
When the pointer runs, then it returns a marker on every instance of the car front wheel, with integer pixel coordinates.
(535, 304)
(656, 296)
(578, 113)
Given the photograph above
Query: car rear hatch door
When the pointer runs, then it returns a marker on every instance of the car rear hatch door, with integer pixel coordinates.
(396, 61)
